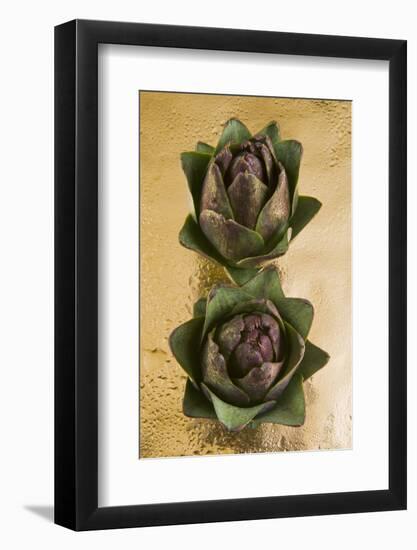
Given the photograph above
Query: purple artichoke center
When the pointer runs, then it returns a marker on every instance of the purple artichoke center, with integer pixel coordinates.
(245, 187)
(246, 163)
(259, 343)
(243, 356)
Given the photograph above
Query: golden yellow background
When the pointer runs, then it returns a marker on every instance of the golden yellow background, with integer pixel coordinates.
(317, 267)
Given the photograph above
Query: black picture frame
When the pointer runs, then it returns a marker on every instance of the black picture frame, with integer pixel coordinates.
(76, 272)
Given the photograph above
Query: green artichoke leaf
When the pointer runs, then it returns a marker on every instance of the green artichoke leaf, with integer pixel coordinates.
(295, 355)
(290, 408)
(272, 131)
(314, 359)
(234, 132)
(202, 147)
(255, 261)
(213, 194)
(298, 312)
(240, 276)
(184, 344)
(216, 377)
(266, 284)
(223, 159)
(232, 240)
(220, 302)
(195, 404)
(193, 238)
(195, 166)
(199, 309)
(235, 418)
(268, 157)
(273, 218)
(247, 195)
(259, 379)
(228, 334)
(289, 152)
(307, 208)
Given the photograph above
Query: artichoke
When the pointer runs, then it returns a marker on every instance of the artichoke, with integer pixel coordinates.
(246, 354)
(246, 203)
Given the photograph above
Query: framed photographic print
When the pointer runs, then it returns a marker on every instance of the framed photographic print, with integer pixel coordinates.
(230, 275)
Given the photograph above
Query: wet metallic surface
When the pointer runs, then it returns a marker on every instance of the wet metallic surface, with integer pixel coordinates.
(316, 267)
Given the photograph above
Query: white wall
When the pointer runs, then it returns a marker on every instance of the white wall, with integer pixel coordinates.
(26, 289)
